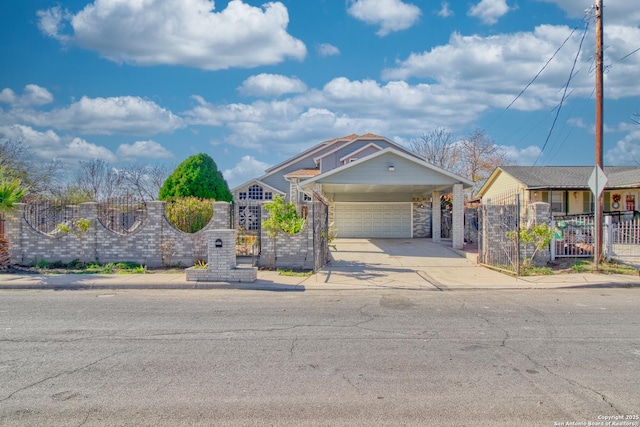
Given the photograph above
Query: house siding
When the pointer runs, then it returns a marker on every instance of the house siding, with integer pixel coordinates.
(376, 172)
(502, 184)
(332, 161)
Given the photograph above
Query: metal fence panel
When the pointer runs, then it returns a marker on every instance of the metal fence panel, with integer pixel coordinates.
(575, 236)
(498, 234)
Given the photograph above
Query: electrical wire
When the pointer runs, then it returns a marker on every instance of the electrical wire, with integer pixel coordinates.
(564, 94)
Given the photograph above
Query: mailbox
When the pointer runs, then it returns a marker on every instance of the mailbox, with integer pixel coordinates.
(218, 243)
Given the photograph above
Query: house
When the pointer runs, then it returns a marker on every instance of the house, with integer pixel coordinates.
(374, 188)
(566, 188)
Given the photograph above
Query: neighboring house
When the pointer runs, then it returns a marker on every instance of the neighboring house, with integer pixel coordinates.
(566, 188)
(374, 187)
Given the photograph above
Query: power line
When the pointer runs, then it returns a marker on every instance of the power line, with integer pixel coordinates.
(629, 54)
(564, 94)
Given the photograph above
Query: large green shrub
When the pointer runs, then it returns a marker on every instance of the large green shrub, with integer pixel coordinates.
(189, 214)
(198, 176)
(282, 216)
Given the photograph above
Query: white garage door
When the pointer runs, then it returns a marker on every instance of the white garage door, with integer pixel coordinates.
(373, 220)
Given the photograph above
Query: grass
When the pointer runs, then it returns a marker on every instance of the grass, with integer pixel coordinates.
(607, 267)
(295, 273)
(533, 270)
(77, 267)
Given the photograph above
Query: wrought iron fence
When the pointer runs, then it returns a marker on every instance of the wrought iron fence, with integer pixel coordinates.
(45, 215)
(122, 215)
(498, 231)
(320, 218)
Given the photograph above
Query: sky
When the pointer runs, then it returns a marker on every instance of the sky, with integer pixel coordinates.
(252, 83)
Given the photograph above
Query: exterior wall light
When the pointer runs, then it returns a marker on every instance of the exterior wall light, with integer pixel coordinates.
(391, 168)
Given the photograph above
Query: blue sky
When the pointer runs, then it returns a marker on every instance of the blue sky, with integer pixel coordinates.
(252, 83)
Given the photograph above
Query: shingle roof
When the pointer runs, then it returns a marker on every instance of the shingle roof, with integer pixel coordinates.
(304, 173)
(572, 176)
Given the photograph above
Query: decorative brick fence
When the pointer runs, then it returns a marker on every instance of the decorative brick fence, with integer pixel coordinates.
(154, 242)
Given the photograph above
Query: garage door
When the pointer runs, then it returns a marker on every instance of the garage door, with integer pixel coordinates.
(373, 220)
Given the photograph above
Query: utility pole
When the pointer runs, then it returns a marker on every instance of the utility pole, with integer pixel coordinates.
(599, 127)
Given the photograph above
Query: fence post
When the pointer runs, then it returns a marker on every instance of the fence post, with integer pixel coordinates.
(608, 237)
(552, 248)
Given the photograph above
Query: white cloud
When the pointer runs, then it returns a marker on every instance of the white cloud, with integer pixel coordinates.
(185, 32)
(522, 156)
(104, 116)
(390, 15)
(326, 49)
(489, 11)
(143, 150)
(34, 95)
(615, 12)
(271, 85)
(445, 12)
(48, 145)
(626, 152)
(248, 168)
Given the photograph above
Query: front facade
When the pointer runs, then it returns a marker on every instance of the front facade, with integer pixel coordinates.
(374, 187)
(566, 188)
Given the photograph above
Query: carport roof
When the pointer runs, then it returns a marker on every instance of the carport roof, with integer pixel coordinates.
(372, 174)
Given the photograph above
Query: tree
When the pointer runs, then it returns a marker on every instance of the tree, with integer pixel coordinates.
(144, 180)
(197, 176)
(480, 155)
(98, 179)
(473, 156)
(11, 192)
(439, 148)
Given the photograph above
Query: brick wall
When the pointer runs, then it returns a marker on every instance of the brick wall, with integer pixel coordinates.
(291, 251)
(145, 245)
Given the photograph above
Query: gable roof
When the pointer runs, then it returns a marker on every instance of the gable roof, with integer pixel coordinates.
(565, 177)
(258, 182)
(303, 173)
(324, 144)
(389, 150)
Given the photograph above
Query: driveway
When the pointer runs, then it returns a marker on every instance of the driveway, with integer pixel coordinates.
(404, 263)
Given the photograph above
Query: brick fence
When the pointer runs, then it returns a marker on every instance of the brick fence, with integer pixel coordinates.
(156, 242)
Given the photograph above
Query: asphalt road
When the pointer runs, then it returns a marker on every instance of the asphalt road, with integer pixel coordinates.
(366, 357)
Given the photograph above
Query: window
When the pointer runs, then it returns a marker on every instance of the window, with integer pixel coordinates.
(242, 195)
(630, 202)
(255, 192)
(306, 197)
(268, 195)
(557, 201)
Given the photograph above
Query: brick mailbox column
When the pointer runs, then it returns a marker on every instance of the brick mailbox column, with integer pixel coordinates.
(222, 249)
(222, 260)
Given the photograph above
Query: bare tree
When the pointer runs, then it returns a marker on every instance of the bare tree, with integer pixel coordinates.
(98, 179)
(145, 180)
(439, 148)
(14, 158)
(480, 155)
(474, 156)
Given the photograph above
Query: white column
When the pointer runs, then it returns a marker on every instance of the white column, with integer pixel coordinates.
(436, 217)
(458, 217)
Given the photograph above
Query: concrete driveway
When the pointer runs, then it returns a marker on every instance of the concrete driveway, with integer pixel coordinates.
(405, 263)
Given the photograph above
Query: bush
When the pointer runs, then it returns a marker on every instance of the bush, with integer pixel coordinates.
(282, 216)
(198, 176)
(189, 214)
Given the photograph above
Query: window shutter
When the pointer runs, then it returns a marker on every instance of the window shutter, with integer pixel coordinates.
(545, 196)
(607, 201)
(586, 202)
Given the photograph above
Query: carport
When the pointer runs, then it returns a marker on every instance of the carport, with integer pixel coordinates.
(383, 195)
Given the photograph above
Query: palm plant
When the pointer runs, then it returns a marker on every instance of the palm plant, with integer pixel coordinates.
(11, 192)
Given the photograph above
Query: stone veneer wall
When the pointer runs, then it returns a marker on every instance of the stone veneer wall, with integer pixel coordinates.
(100, 244)
(421, 218)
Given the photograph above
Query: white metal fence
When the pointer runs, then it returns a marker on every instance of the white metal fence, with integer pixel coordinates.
(621, 241)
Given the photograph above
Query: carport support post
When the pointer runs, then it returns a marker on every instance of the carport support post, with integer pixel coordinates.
(436, 217)
(458, 217)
